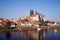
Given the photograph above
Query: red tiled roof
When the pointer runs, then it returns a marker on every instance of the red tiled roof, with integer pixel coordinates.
(37, 14)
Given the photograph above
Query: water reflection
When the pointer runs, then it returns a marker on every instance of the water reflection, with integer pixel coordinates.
(44, 33)
(40, 35)
(33, 35)
(53, 34)
(55, 31)
(8, 35)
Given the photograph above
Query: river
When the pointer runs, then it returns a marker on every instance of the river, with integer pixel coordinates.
(51, 34)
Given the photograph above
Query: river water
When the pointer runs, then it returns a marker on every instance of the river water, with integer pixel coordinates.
(51, 34)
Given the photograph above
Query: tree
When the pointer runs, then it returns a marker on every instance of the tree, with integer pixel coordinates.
(41, 20)
(8, 24)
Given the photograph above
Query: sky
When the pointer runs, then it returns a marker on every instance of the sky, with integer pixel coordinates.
(16, 8)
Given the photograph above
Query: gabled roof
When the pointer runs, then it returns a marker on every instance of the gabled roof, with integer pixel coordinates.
(37, 14)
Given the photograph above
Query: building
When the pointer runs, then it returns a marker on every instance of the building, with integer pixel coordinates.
(34, 19)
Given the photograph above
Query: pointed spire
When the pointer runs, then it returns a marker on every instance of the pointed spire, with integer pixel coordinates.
(31, 12)
(36, 12)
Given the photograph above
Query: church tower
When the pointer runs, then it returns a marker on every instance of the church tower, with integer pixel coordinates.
(31, 12)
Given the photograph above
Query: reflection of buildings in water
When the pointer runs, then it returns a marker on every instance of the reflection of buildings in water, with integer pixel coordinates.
(52, 30)
(55, 31)
(44, 34)
(40, 35)
(33, 35)
(23, 33)
(8, 35)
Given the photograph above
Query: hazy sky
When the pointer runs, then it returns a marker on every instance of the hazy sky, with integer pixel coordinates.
(17, 8)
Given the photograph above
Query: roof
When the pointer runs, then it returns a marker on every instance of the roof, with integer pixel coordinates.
(37, 14)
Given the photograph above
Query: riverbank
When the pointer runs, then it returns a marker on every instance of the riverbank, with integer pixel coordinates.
(8, 29)
(29, 28)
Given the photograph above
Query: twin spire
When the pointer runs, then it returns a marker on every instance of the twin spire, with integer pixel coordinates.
(32, 12)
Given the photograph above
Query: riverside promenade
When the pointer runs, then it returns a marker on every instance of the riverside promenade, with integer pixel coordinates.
(33, 28)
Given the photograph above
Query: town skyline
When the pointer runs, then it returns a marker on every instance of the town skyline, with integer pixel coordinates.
(17, 8)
